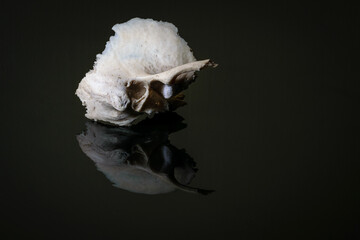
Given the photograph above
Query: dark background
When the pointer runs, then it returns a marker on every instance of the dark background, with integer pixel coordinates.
(274, 129)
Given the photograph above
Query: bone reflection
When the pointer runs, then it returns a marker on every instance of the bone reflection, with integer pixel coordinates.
(141, 159)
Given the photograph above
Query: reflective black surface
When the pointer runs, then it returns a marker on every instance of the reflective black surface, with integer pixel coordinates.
(274, 130)
(140, 158)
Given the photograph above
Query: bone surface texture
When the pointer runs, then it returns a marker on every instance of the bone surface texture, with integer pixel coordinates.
(143, 70)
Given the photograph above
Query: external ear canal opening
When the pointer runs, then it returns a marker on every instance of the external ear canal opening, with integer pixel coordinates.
(155, 102)
(136, 90)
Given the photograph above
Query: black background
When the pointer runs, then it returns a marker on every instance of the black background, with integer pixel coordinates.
(274, 129)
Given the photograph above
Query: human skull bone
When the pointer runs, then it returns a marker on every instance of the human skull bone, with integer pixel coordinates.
(143, 70)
